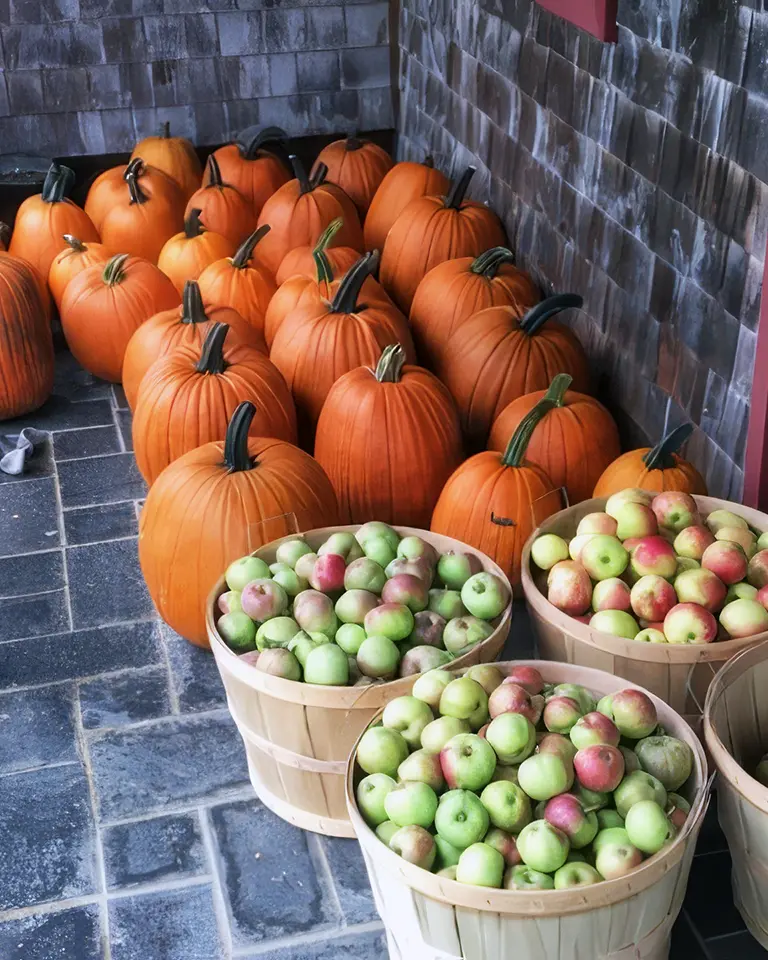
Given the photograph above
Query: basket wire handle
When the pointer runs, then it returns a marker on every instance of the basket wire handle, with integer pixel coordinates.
(289, 527)
(564, 504)
(689, 688)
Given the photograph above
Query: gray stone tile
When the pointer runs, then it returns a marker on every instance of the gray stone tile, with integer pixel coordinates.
(28, 516)
(33, 616)
(125, 423)
(31, 573)
(742, 945)
(37, 727)
(75, 444)
(106, 585)
(361, 946)
(148, 851)
(194, 674)
(106, 479)
(109, 521)
(351, 879)
(116, 701)
(61, 413)
(61, 935)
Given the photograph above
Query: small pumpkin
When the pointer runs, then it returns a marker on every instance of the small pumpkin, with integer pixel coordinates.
(431, 230)
(573, 443)
(299, 212)
(455, 290)
(500, 354)
(180, 326)
(108, 189)
(405, 182)
(222, 207)
(75, 257)
(656, 468)
(494, 500)
(175, 156)
(105, 304)
(26, 344)
(217, 503)
(241, 282)
(256, 172)
(301, 260)
(187, 254)
(187, 397)
(358, 167)
(417, 441)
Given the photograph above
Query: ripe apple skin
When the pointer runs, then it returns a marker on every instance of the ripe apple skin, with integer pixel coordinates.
(370, 794)
(438, 733)
(245, 570)
(521, 877)
(480, 865)
(668, 759)
(757, 570)
(447, 603)
(505, 843)
(290, 551)
(651, 635)
(569, 587)
(675, 510)
(558, 744)
(279, 662)
(512, 736)
(343, 544)
(462, 633)
(488, 676)
(628, 495)
(454, 568)
(229, 602)
(430, 686)
(393, 620)
(617, 622)
(726, 560)
(414, 548)
(635, 520)
(420, 568)
(592, 729)
(561, 714)
(381, 751)
(276, 632)
(604, 557)
(263, 599)
(385, 831)
(693, 541)
(724, 518)
(407, 589)
(652, 597)
(616, 860)
(599, 767)
(510, 697)
(305, 565)
(527, 677)
(314, 612)
(485, 596)
(548, 550)
(352, 606)
(637, 786)
(576, 692)
(690, 623)
(328, 573)
(428, 629)
(467, 762)
(543, 776)
(611, 594)
(411, 803)
(376, 529)
(542, 846)
(508, 806)
(744, 538)
(424, 767)
(365, 574)
(597, 523)
(461, 819)
(701, 587)
(576, 874)
(408, 715)
(415, 845)
(422, 659)
(744, 618)
(632, 711)
(577, 544)
(350, 637)
(653, 555)
(648, 827)
(567, 814)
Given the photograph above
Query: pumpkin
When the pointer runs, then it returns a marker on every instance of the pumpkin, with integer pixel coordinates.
(499, 354)
(455, 290)
(222, 207)
(255, 172)
(187, 254)
(495, 500)
(301, 260)
(241, 282)
(405, 182)
(656, 468)
(175, 156)
(358, 167)
(187, 397)
(413, 420)
(573, 443)
(42, 221)
(299, 212)
(319, 342)
(74, 258)
(103, 306)
(217, 503)
(180, 326)
(431, 230)
(108, 189)
(26, 344)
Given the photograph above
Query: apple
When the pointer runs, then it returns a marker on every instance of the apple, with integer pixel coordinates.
(629, 495)
(414, 548)
(724, 518)
(385, 831)
(576, 692)
(569, 587)
(567, 814)
(487, 675)
(745, 591)
(302, 645)
(508, 806)
(449, 873)
(548, 550)
(328, 573)
(593, 729)
(411, 803)
(558, 744)
(327, 664)
(378, 656)
(380, 549)
(512, 736)
(597, 523)
(441, 731)
(314, 612)
(742, 618)
(761, 770)
(521, 877)
(611, 594)
(577, 544)
(447, 855)
(462, 698)
(648, 827)
(675, 510)
(446, 603)
(380, 750)
(229, 602)
(480, 865)
(635, 520)
(243, 571)
(651, 635)
(610, 837)
(424, 767)
(617, 622)
(461, 818)
(757, 569)
(374, 529)
(668, 759)
(743, 538)
(365, 574)
(616, 860)
(543, 776)
(406, 589)
(262, 599)
(653, 555)
(690, 623)
(344, 544)
(632, 711)
(290, 550)
(428, 629)
(677, 810)
(652, 597)
(421, 659)
(527, 677)
(408, 715)
(609, 818)
(354, 605)
(288, 579)
(505, 773)
(454, 568)
(604, 557)
(305, 565)
(637, 786)
(467, 762)
(591, 800)
(510, 697)
(371, 793)
(599, 767)
(560, 714)
(576, 874)
(350, 637)
(462, 633)
(430, 686)
(415, 845)
(692, 542)
(630, 760)
(393, 620)
(505, 843)
(279, 662)
(277, 632)
(421, 569)
(726, 560)
(238, 631)
(542, 846)
(485, 595)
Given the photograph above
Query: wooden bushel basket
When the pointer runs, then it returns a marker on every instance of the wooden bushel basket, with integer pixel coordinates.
(298, 736)
(736, 734)
(679, 674)
(433, 918)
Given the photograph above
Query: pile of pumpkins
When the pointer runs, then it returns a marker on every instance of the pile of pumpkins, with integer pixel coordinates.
(271, 362)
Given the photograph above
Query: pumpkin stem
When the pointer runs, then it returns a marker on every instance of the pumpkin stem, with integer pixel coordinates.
(249, 150)
(236, 456)
(114, 270)
(558, 389)
(660, 458)
(245, 250)
(58, 182)
(389, 369)
(192, 309)
(428, 161)
(353, 142)
(488, 263)
(318, 175)
(77, 245)
(135, 192)
(165, 130)
(459, 186)
(214, 173)
(537, 316)
(322, 264)
(5, 234)
(193, 225)
(305, 185)
(345, 300)
(212, 354)
(514, 455)
(133, 167)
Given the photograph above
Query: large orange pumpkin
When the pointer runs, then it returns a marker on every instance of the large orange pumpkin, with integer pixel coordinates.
(42, 221)
(105, 304)
(222, 207)
(319, 342)
(411, 418)
(187, 397)
(257, 173)
(500, 354)
(26, 345)
(494, 500)
(185, 255)
(656, 468)
(302, 261)
(405, 182)
(74, 258)
(108, 189)
(299, 212)
(455, 290)
(181, 326)
(175, 156)
(573, 443)
(431, 230)
(241, 282)
(358, 167)
(220, 502)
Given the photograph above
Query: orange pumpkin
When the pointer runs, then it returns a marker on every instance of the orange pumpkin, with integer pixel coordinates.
(499, 355)
(26, 344)
(222, 207)
(255, 172)
(103, 306)
(74, 258)
(217, 503)
(656, 468)
(184, 326)
(187, 397)
(319, 342)
(431, 230)
(108, 189)
(42, 221)
(494, 500)
(573, 443)
(405, 182)
(455, 290)
(241, 282)
(299, 212)
(175, 156)
(358, 167)
(301, 261)
(417, 435)
(187, 254)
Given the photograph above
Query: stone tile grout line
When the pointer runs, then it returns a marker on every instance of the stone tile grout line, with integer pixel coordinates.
(219, 902)
(173, 693)
(320, 859)
(307, 939)
(62, 532)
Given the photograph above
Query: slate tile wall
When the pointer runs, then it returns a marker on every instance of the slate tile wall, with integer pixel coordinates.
(93, 76)
(634, 174)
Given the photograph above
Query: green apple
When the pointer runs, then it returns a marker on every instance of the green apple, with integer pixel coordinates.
(288, 579)
(290, 550)
(637, 786)
(614, 861)
(512, 736)
(463, 633)
(301, 646)
(350, 638)
(508, 806)
(410, 803)
(485, 595)
(352, 606)
(380, 550)
(521, 877)
(229, 602)
(365, 574)
(461, 819)
(242, 571)
(462, 698)
(543, 776)
(415, 845)
(576, 874)
(409, 716)
(650, 635)
(448, 873)
(740, 591)
(576, 692)
(238, 631)
(393, 620)
(446, 603)
(548, 550)
(542, 846)
(480, 866)
(604, 557)
(385, 831)
(344, 544)
(724, 518)
(436, 734)
(668, 759)
(414, 548)
(447, 854)
(762, 541)
(487, 675)
(610, 836)
(430, 685)
(327, 665)
(648, 827)
(381, 750)
(279, 662)
(609, 818)
(617, 622)
(374, 529)
(468, 762)
(371, 793)
(454, 569)
(277, 632)
(378, 657)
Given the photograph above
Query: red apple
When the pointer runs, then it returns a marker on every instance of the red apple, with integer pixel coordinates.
(757, 571)
(675, 510)
(510, 697)
(693, 541)
(567, 814)
(654, 555)
(597, 523)
(328, 573)
(701, 587)
(632, 711)
(407, 589)
(569, 587)
(652, 597)
(505, 843)
(560, 714)
(726, 560)
(594, 728)
(762, 596)
(611, 594)
(690, 623)
(599, 767)
(527, 677)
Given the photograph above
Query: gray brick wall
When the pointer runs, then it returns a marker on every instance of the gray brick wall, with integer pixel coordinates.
(634, 174)
(92, 76)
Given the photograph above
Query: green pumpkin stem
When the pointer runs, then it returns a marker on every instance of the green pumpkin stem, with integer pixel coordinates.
(661, 456)
(58, 182)
(77, 245)
(165, 130)
(319, 173)
(114, 269)
(558, 388)
(192, 309)
(133, 166)
(193, 225)
(459, 186)
(389, 369)
(428, 161)
(537, 316)
(488, 263)
(135, 192)
(345, 300)
(244, 252)
(236, 456)
(322, 263)
(214, 173)
(514, 455)
(353, 142)
(249, 151)
(212, 353)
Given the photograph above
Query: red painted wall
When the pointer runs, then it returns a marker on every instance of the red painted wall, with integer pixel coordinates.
(596, 16)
